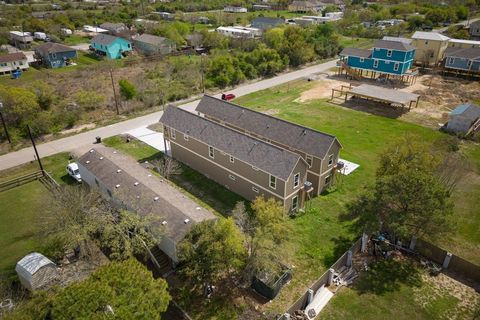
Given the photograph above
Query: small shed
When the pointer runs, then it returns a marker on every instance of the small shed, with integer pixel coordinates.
(35, 271)
(464, 119)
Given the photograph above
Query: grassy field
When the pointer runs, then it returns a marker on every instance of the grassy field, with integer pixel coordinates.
(23, 208)
(356, 42)
(321, 235)
(75, 39)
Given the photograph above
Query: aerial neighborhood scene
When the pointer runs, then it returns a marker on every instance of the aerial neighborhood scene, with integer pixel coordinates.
(249, 160)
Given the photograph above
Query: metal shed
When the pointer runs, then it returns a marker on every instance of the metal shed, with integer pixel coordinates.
(35, 271)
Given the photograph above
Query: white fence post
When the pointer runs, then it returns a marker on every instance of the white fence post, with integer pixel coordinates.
(364, 242)
(349, 258)
(413, 243)
(331, 272)
(446, 262)
(310, 296)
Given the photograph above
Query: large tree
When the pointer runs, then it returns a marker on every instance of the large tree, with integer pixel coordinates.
(410, 196)
(212, 250)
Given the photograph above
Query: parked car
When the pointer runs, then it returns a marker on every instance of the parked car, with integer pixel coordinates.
(72, 170)
(227, 96)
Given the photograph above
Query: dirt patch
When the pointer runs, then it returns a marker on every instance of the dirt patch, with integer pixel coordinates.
(272, 112)
(321, 90)
(77, 129)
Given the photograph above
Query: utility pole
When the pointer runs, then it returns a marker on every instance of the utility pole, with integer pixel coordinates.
(35, 148)
(114, 92)
(4, 124)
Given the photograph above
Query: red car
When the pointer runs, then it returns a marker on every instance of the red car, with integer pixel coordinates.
(228, 96)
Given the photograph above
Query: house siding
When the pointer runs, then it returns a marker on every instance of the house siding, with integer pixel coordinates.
(58, 60)
(462, 64)
(114, 50)
(385, 64)
(149, 49)
(8, 67)
(425, 49)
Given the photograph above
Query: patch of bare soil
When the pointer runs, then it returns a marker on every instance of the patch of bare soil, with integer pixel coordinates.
(272, 112)
(468, 298)
(79, 128)
(321, 90)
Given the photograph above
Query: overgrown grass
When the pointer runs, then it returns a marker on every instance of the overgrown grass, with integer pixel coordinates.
(75, 39)
(354, 42)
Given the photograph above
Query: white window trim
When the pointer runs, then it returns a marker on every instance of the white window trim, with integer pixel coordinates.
(307, 160)
(270, 182)
(254, 189)
(173, 135)
(330, 160)
(362, 59)
(469, 63)
(451, 60)
(295, 205)
(297, 182)
(211, 152)
(375, 63)
(185, 137)
(327, 178)
(232, 159)
(232, 177)
(396, 66)
(255, 168)
(389, 53)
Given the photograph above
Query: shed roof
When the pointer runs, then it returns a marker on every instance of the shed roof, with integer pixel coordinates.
(423, 35)
(464, 41)
(151, 39)
(467, 53)
(295, 136)
(31, 263)
(394, 45)
(356, 52)
(110, 26)
(51, 47)
(468, 110)
(385, 94)
(104, 39)
(265, 156)
(268, 20)
(16, 56)
(398, 39)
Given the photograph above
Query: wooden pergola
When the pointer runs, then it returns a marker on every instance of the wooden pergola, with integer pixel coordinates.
(379, 94)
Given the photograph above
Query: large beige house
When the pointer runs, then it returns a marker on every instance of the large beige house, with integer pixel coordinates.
(250, 157)
(430, 47)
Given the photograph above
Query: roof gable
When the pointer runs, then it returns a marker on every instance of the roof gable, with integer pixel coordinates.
(356, 52)
(267, 157)
(51, 47)
(16, 56)
(295, 136)
(393, 45)
(435, 36)
(106, 39)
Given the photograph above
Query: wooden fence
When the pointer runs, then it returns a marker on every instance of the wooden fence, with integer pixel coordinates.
(9, 184)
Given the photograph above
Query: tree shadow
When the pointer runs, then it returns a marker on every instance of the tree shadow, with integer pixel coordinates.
(340, 245)
(388, 275)
(156, 156)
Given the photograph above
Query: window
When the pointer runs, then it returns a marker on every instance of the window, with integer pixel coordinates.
(327, 180)
(451, 60)
(185, 137)
(330, 160)
(54, 55)
(232, 159)
(295, 203)
(231, 177)
(362, 59)
(426, 41)
(375, 63)
(309, 160)
(432, 54)
(211, 152)
(296, 180)
(254, 189)
(395, 67)
(172, 133)
(273, 182)
(389, 53)
(469, 64)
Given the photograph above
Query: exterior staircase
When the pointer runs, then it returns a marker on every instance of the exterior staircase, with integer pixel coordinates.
(350, 71)
(160, 260)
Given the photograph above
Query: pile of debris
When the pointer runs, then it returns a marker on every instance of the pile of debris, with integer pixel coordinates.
(344, 277)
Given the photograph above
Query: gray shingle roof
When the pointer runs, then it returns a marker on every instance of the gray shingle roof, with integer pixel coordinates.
(298, 137)
(104, 39)
(469, 111)
(151, 39)
(268, 20)
(394, 45)
(113, 26)
(16, 56)
(267, 157)
(362, 53)
(171, 206)
(51, 47)
(467, 53)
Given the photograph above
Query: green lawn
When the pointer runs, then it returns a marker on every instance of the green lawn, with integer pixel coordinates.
(75, 39)
(23, 208)
(321, 236)
(356, 42)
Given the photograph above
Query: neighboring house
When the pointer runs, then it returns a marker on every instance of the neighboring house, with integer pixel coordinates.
(240, 32)
(459, 59)
(306, 6)
(319, 150)
(149, 45)
(462, 43)
(243, 164)
(55, 55)
(20, 40)
(13, 61)
(429, 46)
(387, 57)
(464, 119)
(115, 29)
(93, 30)
(235, 9)
(166, 15)
(110, 46)
(35, 271)
(128, 185)
(475, 29)
(265, 23)
(261, 7)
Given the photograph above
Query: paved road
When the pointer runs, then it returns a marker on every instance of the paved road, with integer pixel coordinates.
(71, 143)
(464, 23)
